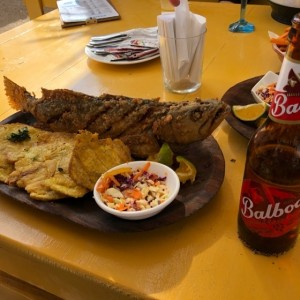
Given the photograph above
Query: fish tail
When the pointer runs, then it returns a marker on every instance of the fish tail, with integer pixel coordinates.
(18, 97)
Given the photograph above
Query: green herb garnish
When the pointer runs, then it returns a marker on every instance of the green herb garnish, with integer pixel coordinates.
(20, 136)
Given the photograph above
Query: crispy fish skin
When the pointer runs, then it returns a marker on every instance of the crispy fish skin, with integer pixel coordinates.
(140, 123)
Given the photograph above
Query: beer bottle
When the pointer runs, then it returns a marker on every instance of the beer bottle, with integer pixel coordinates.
(269, 212)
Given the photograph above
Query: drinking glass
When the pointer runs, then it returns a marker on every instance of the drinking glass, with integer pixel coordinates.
(182, 62)
(242, 25)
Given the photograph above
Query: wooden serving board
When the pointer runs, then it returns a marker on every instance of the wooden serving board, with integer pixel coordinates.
(207, 157)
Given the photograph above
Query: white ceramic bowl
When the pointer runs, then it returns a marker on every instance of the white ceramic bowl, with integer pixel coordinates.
(266, 80)
(161, 170)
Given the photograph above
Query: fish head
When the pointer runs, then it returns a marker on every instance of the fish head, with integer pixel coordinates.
(192, 121)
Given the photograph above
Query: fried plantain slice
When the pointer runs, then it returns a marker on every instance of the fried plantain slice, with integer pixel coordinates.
(93, 156)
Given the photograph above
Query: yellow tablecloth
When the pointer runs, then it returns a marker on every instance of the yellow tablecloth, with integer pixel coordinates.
(199, 257)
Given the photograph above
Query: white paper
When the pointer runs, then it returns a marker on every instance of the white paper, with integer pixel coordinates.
(182, 26)
(83, 10)
(166, 29)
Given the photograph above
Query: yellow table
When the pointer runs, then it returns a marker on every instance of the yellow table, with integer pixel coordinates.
(199, 257)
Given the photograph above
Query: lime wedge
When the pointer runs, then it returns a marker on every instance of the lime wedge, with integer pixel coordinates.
(186, 170)
(250, 112)
(164, 156)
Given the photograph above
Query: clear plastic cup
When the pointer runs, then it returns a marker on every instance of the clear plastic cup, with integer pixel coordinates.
(182, 62)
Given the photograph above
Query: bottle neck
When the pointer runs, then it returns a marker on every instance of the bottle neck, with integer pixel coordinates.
(293, 50)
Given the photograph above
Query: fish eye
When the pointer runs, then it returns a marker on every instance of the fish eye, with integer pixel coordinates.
(196, 115)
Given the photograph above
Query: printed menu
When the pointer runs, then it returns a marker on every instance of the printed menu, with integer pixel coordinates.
(80, 12)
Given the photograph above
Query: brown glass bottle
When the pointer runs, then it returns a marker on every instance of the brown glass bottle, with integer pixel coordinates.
(269, 213)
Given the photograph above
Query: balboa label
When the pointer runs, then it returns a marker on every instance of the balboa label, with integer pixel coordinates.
(285, 106)
(268, 210)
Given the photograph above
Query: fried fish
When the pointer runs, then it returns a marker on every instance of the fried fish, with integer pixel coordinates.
(140, 123)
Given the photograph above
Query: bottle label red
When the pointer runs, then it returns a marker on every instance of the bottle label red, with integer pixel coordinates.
(267, 210)
(285, 107)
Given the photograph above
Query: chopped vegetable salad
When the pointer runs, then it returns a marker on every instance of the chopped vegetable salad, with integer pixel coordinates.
(266, 93)
(125, 189)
